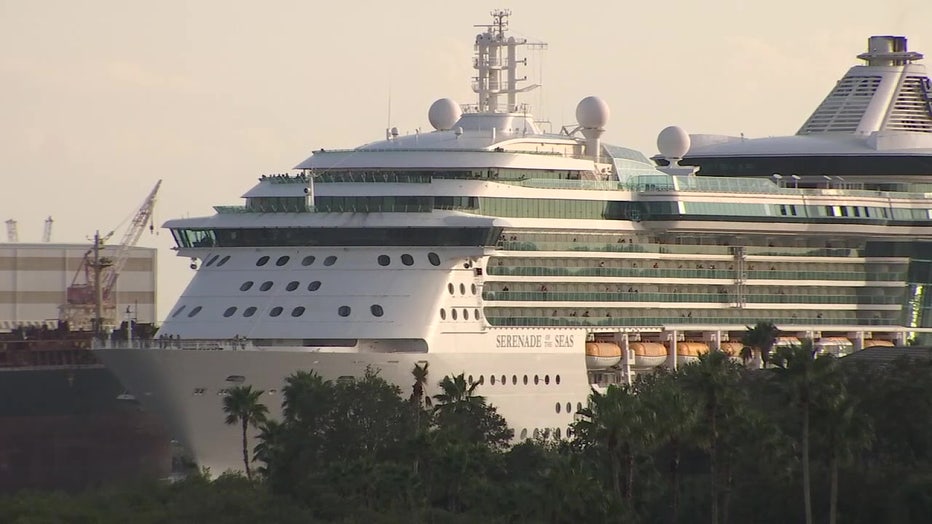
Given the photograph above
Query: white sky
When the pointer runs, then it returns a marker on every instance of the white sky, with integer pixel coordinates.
(100, 99)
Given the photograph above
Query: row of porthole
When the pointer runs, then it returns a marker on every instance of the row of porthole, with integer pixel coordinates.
(284, 259)
(454, 314)
(344, 311)
(545, 433)
(214, 258)
(514, 380)
(452, 289)
(268, 284)
(569, 407)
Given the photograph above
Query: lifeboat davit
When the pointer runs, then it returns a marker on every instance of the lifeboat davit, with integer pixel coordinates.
(648, 354)
(687, 352)
(601, 355)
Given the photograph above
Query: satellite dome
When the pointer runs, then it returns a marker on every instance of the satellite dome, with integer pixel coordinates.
(673, 142)
(443, 114)
(592, 112)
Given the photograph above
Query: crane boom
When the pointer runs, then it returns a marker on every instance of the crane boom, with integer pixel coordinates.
(91, 298)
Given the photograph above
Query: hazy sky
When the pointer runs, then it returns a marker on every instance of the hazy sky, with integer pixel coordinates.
(99, 99)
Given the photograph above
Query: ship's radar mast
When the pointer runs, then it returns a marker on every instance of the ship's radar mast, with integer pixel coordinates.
(496, 64)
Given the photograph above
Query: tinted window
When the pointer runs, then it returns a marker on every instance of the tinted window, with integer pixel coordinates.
(377, 310)
(194, 311)
(246, 286)
(331, 260)
(223, 261)
(433, 258)
(178, 311)
(277, 310)
(230, 311)
(293, 285)
(344, 311)
(407, 259)
(267, 285)
(282, 261)
(297, 312)
(262, 261)
(384, 260)
(314, 286)
(308, 260)
(250, 311)
(212, 260)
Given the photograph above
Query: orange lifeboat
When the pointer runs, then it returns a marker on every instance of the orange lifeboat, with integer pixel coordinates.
(648, 354)
(878, 342)
(601, 355)
(687, 352)
(732, 349)
(838, 346)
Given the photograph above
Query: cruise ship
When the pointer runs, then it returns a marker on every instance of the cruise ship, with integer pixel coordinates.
(539, 264)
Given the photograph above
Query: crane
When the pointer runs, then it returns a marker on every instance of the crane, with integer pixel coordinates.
(11, 234)
(47, 232)
(91, 297)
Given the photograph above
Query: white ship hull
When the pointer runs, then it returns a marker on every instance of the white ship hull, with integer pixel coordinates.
(185, 387)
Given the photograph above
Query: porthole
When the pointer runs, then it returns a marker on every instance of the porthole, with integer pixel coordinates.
(314, 286)
(492, 380)
(465, 314)
(267, 285)
(212, 260)
(514, 380)
(246, 286)
(178, 311)
(308, 260)
(407, 260)
(481, 379)
(557, 379)
(433, 258)
(194, 311)
(277, 310)
(536, 433)
(547, 379)
(473, 289)
(462, 289)
(293, 285)
(376, 310)
(524, 434)
(453, 313)
(297, 312)
(384, 260)
(504, 380)
(556, 433)
(223, 260)
(569, 432)
(525, 380)
(263, 260)
(569, 407)
(229, 312)
(579, 406)
(476, 314)
(282, 260)
(250, 311)
(344, 311)
(559, 407)
(470, 379)
(450, 288)
(443, 314)
(536, 380)
(329, 261)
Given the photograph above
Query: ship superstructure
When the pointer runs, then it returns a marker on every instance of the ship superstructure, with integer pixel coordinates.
(538, 264)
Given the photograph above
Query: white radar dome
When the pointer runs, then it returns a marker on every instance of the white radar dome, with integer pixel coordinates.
(592, 112)
(443, 114)
(673, 142)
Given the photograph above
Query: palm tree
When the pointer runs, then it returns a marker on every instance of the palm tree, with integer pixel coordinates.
(241, 404)
(456, 396)
(417, 389)
(617, 423)
(795, 366)
(713, 382)
(760, 338)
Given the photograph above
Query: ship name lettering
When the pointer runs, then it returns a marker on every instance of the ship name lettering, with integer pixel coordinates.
(518, 341)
